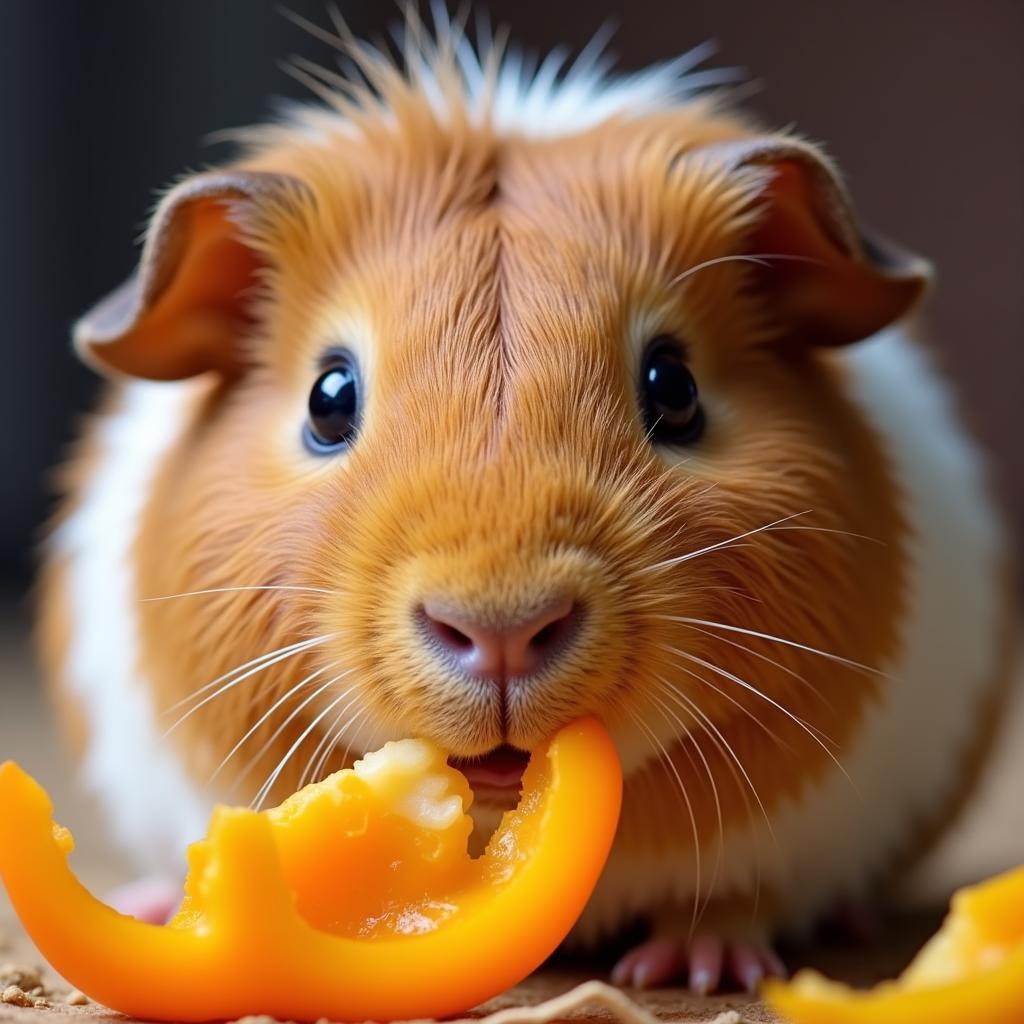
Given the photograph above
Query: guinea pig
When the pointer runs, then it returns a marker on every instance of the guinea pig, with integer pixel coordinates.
(471, 399)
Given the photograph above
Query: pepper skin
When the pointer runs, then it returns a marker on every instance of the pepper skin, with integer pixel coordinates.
(972, 970)
(354, 900)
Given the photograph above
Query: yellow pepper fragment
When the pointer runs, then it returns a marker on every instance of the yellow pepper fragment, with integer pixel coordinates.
(356, 899)
(972, 970)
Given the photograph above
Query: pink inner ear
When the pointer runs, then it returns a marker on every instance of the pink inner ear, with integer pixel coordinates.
(826, 294)
(194, 322)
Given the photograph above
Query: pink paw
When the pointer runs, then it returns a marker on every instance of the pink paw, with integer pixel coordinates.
(707, 962)
(151, 900)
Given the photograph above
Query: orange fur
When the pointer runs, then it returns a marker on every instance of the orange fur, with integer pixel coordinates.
(502, 457)
(497, 291)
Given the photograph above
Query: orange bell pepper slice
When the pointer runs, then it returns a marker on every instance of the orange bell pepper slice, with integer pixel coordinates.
(356, 899)
(971, 970)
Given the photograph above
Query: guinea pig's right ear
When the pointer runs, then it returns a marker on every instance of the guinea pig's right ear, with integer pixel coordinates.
(188, 303)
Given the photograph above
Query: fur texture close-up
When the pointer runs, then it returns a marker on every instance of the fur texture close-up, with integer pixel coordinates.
(475, 395)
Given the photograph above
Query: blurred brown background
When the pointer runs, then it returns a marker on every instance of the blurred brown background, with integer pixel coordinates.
(921, 101)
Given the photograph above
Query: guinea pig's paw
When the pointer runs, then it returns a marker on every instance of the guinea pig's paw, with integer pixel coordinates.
(151, 900)
(707, 963)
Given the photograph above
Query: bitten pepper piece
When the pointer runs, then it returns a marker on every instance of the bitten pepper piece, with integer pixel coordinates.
(971, 970)
(354, 900)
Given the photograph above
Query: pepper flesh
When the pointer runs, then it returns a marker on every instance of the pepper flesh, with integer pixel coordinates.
(971, 970)
(354, 900)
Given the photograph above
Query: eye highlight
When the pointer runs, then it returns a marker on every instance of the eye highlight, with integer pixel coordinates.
(668, 394)
(333, 417)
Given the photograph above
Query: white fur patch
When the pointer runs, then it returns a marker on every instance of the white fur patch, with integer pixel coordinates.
(909, 752)
(524, 96)
(153, 808)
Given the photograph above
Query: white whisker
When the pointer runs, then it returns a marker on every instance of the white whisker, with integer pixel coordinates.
(670, 716)
(259, 660)
(757, 654)
(742, 708)
(671, 769)
(309, 773)
(739, 774)
(679, 559)
(268, 786)
(232, 590)
(826, 529)
(268, 713)
(737, 767)
(289, 652)
(778, 640)
(762, 259)
(352, 738)
(292, 715)
(732, 677)
(330, 740)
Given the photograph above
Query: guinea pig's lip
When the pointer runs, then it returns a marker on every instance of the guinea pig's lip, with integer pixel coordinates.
(499, 771)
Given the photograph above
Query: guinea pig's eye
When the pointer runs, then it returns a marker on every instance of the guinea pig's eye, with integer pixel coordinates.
(668, 392)
(333, 408)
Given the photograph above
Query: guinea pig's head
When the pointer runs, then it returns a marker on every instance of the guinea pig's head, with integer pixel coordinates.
(513, 423)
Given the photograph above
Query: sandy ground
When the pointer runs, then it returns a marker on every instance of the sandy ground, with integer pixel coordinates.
(989, 838)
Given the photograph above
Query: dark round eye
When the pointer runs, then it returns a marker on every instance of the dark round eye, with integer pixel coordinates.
(668, 394)
(333, 408)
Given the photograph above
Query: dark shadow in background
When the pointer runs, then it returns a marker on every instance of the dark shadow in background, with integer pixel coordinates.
(100, 103)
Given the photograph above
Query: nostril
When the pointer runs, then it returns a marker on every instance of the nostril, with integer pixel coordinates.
(455, 632)
(449, 635)
(546, 635)
(552, 629)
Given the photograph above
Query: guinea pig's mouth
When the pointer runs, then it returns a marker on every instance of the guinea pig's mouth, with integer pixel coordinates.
(495, 777)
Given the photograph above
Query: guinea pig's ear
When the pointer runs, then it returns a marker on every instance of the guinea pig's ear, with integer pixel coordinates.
(825, 282)
(184, 309)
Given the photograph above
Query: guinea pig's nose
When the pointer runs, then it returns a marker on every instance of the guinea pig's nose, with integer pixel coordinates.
(501, 651)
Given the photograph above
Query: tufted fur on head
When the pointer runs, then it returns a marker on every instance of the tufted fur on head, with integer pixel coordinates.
(496, 249)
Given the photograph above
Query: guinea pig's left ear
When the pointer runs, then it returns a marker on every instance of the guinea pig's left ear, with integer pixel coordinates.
(824, 280)
(188, 303)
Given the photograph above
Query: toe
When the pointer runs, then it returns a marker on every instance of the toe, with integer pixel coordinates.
(772, 963)
(654, 962)
(745, 965)
(707, 954)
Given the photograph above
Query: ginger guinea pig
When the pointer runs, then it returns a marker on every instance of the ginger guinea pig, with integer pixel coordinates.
(466, 403)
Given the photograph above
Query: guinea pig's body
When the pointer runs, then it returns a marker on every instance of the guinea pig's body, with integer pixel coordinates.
(787, 599)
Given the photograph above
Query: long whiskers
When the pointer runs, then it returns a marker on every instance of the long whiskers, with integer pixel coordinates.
(287, 721)
(796, 719)
(234, 590)
(673, 773)
(736, 769)
(679, 559)
(761, 657)
(325, 757)
(671, 718)
(742, 708)
(762, 259)
(839, 659)
(260, 664)
(280, 702)
(268, 786)
(329, 743)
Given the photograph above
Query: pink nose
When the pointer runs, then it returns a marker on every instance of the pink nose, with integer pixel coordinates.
(500, 652)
